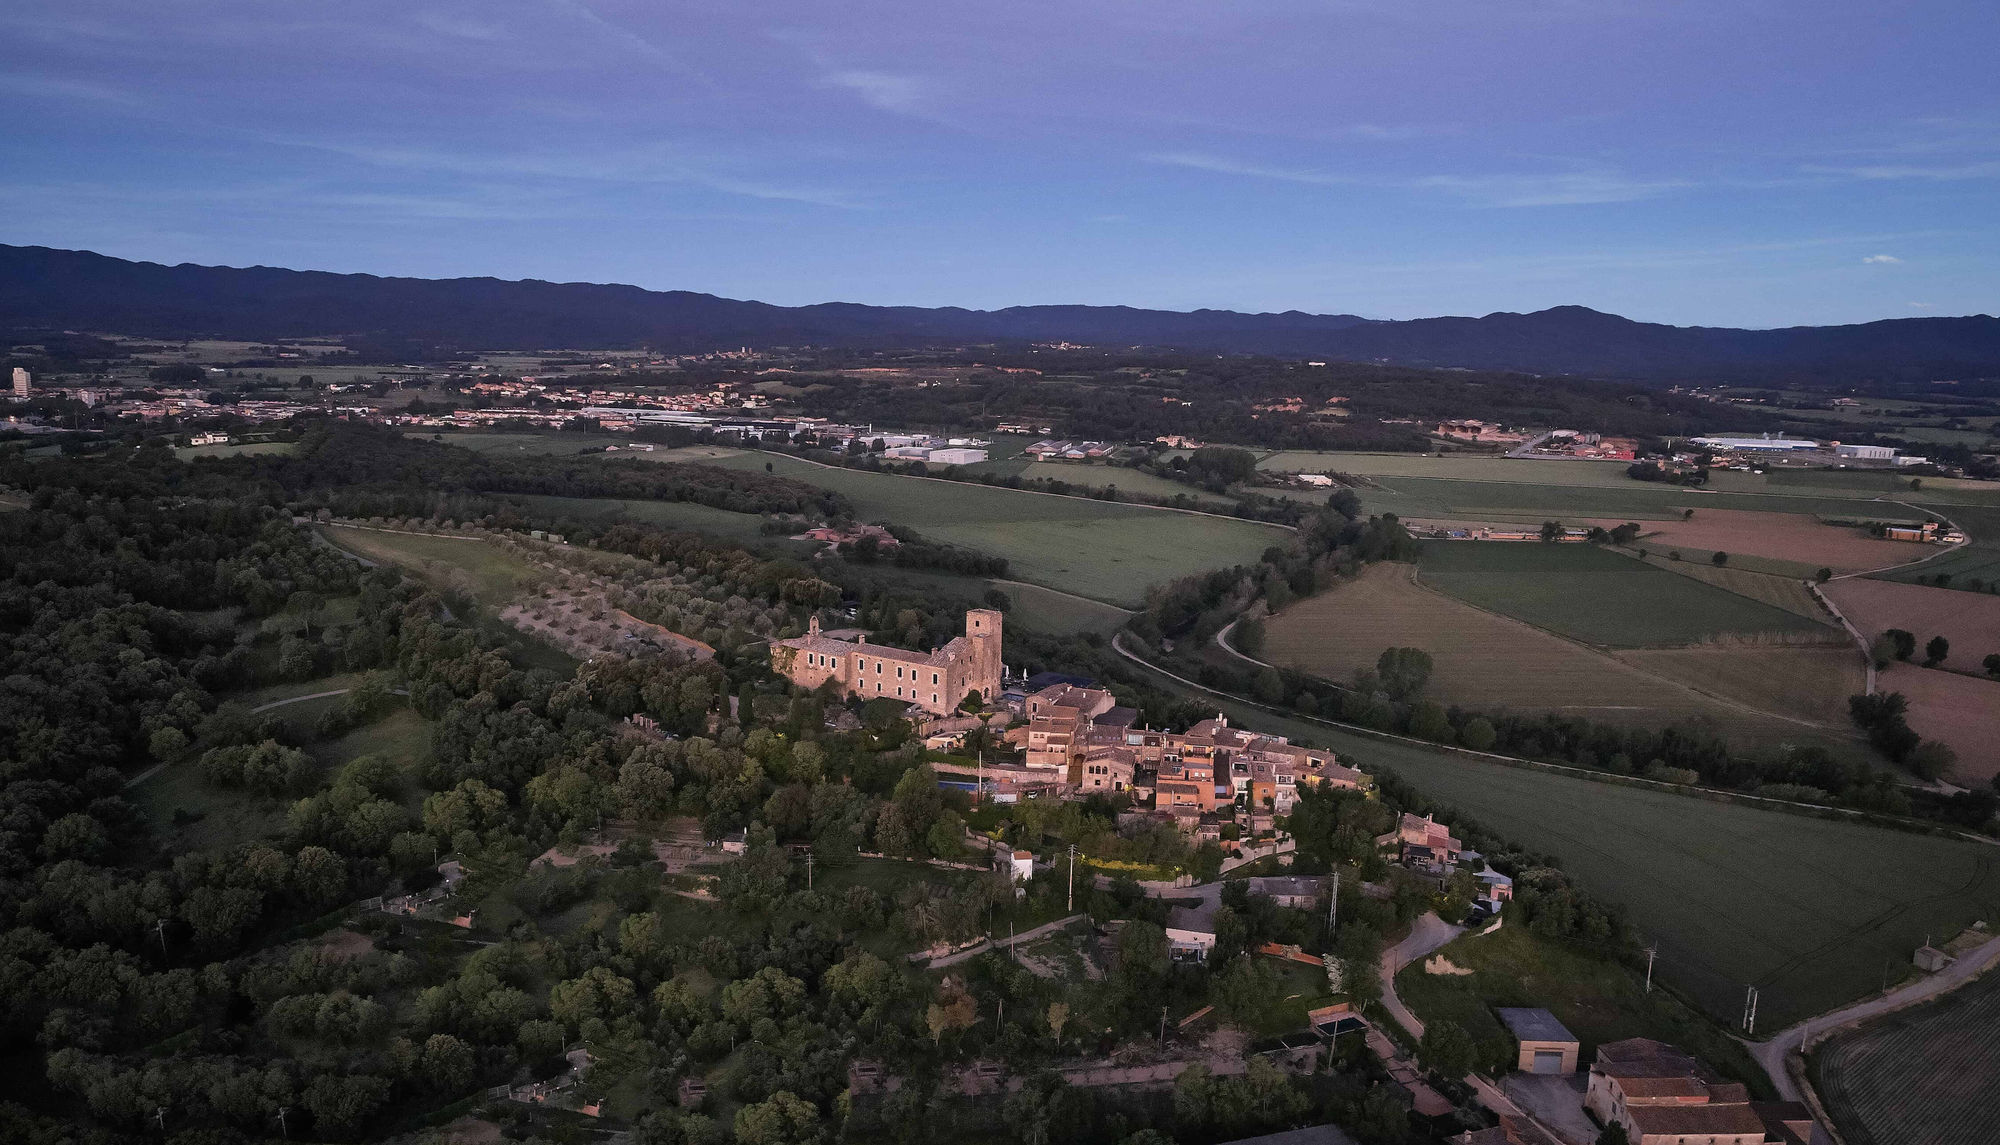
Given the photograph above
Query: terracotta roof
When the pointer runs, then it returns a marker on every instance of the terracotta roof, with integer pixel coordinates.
(1643, 1087)
(1711, 1119)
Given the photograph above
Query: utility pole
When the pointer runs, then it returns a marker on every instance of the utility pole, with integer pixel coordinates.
(1750, 1010)
(1163, 1026)
(1072, 877)
(161, 927)
(1333, 905)
(1651, 953)
(283, 1131)
(809, 870)
(160, 1115)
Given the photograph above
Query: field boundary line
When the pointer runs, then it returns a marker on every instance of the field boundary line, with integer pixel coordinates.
(1036, 492)
(1608, 653)
(1690, 791)
(1060, 592)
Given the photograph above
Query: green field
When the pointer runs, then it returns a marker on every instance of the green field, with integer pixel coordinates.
(1461, 467)
(1598, 1001)
(1978, 561)
(249, 449)
(1031, 606)
(1105, 551)
(494, 576)
(1925, 1074)
(1634, 501)
(1598, 596)
(741, 528)
(1809, 910)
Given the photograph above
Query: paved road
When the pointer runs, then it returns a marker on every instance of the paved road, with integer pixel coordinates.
(1773, 1054)
(1025, 936)
(1429, 933)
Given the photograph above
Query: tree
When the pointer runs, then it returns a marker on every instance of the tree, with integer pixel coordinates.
(1614, 1134)
(1552, 531)
(1931, 759)
(1905, 643)
(1058, 1015)
(1991, 663)
(1403, 671)
(1719, 558)
(447, 1063)
(1822, 576)
(782, 1119)
(1936, 651)
(1447, 1049)
(1478, 733)
(953, 1010)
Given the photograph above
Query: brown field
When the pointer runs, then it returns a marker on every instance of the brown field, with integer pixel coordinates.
(1490, 662)
(1970, 620)
(1792, 537)
(1804, 683)
(1957, 710)
(1788, 593)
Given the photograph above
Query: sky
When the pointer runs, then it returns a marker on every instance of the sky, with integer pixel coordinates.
(1699, 162)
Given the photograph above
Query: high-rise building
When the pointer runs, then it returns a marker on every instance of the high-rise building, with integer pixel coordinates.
(24, 384)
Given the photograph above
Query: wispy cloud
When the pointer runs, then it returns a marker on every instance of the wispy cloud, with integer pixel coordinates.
(459, 27)
(1940, 173)
(1545, 189)
(1921, 306)
(1880, 258)
(884, 91)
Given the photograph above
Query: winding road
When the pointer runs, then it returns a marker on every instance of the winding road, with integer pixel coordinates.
(1775, 1054)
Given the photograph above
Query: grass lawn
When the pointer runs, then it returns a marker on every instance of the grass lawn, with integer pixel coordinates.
(1598, 1001)
(1101, 550)
(1296, 988)
(401, 736)
(1600, 597)
(740, 528)
(227, 817)
(496, 577)
(195, 452)
(1810, 910)
(1032, 607)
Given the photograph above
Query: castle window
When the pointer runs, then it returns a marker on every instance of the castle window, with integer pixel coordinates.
(933, 679)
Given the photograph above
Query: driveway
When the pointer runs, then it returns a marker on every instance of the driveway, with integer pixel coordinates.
(1429, 933)
(1773, 1054)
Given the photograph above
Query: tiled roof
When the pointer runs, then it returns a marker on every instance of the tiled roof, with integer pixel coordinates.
(1700, 1119)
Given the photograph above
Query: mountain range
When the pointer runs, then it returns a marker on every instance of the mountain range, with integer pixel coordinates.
(43, 288)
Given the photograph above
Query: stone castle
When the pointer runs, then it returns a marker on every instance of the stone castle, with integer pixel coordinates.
(936, 681)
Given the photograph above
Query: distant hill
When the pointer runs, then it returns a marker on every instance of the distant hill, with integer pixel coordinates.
(42, 288)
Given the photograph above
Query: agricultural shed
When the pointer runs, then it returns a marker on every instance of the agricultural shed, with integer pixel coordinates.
(1547, 1046)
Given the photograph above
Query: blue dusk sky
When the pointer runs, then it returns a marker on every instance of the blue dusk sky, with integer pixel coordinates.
(1717, 162)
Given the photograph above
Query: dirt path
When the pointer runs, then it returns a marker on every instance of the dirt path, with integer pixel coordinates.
(1041, 931)
(1775, 1055)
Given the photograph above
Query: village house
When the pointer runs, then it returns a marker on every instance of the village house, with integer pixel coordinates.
(935, 682)
(1423, 840)
(1296, 891)
(1664, 1096)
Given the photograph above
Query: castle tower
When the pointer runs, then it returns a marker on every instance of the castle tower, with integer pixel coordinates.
(982, 632)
